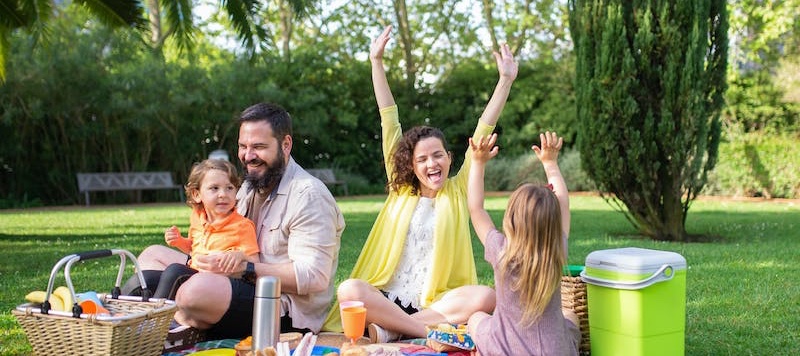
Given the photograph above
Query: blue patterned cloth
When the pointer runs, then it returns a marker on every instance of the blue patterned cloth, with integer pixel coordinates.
(206, 345)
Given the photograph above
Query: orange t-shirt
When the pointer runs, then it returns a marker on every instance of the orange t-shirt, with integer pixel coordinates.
(234, 232)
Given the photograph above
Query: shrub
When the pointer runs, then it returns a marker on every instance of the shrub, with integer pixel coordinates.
(757, 165)
(506, 173)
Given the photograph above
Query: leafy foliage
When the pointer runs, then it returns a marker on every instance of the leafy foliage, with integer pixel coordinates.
(757, 165)
(650, 78)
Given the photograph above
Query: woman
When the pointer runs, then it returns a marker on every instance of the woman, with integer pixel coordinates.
(417, 267)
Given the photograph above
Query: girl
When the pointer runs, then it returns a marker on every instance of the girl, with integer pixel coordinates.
(527, 257)
(215, 224)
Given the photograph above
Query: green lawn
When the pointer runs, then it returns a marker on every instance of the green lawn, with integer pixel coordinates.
(743, 294)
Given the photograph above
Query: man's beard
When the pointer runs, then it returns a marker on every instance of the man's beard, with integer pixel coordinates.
(271, 177)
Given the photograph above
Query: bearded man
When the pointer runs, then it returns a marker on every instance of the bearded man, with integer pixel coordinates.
(298, 227)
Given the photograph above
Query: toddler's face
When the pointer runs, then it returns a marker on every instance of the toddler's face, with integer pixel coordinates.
(217, 194)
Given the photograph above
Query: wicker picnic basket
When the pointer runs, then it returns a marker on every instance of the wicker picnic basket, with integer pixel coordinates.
(573, 297)
(136, 326)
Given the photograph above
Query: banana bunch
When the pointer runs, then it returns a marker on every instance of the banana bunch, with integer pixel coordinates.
(60, 299)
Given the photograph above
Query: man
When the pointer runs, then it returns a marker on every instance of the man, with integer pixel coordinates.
(298, 227)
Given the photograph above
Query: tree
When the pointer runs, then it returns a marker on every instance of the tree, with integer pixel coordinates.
(650, 79)
(34, 16)
(164, 19)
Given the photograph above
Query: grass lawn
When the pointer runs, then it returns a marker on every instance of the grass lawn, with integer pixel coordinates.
(743, 294)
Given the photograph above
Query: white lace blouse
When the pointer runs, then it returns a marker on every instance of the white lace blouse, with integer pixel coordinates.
(415, 261)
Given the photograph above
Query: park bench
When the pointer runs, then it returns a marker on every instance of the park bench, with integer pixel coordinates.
(97, 182)
(326, 176)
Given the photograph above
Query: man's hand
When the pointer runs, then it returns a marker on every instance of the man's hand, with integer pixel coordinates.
(229, 263)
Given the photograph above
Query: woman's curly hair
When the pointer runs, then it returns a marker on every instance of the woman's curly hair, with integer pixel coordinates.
(403, 157)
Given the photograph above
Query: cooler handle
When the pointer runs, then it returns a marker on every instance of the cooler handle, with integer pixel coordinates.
(665, 273)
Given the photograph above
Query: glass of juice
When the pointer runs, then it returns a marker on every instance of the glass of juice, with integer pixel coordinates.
(354, 319)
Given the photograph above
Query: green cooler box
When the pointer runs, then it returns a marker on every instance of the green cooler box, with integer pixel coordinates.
(637, 301)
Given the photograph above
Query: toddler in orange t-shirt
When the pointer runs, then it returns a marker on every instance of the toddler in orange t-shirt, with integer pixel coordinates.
(215, 225)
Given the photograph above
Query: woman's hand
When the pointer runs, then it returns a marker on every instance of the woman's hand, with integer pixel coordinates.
(379, 44)
(506, 65)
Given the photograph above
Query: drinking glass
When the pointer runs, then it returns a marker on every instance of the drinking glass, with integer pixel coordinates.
(354, 319)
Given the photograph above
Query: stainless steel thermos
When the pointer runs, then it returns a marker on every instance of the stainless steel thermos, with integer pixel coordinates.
(267, 312)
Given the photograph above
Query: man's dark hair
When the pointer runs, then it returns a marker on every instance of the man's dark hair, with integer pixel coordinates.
(276, 115)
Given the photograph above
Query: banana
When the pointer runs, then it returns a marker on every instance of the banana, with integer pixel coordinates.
(56, 303)
(36, 296)
(66, 298)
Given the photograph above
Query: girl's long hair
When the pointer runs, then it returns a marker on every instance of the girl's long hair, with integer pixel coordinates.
(533, 258)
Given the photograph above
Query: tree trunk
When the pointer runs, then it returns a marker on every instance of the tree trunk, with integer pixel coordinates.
(156, 30)
(286, 15)
(407, 42)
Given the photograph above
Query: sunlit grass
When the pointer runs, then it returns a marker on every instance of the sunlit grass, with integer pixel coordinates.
(742, 290)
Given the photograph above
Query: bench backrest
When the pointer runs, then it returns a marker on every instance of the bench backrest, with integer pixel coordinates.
(125, 181)
(323, 174)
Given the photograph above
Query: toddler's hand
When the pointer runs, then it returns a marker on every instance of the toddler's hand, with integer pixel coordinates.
(172, 235)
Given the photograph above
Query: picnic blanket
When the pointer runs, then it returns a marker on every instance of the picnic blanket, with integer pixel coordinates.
(205, 345)
(230, 343)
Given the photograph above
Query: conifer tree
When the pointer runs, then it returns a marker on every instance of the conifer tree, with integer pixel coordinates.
(650, 78)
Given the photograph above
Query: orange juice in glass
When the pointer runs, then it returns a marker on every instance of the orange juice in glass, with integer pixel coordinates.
(354, 319)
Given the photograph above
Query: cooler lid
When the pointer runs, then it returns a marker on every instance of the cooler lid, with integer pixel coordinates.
(634, 260)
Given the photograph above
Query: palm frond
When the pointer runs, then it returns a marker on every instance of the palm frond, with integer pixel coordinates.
(4, 52)
(243, 15)
(19, 13)
(178, 14)
(116, 13)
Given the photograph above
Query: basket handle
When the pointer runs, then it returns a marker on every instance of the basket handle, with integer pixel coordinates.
(67, 261)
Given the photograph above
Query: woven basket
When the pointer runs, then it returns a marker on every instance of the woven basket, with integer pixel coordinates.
(140, 328)
(134, 326)
(573, 297)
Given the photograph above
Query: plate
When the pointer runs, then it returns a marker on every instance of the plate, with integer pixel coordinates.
(214, 352)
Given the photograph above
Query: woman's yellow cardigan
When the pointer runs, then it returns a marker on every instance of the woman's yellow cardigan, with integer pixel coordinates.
(453, 263)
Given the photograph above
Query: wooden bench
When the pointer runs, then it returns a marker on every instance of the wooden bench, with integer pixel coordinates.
(98, 182)
(326, 176)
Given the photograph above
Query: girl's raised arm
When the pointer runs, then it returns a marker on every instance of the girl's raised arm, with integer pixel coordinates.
(482, 152)
(548, 155)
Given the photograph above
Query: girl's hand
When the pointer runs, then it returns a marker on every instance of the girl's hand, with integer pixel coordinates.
(379, 44)
(551, 144)
(506, 65)
(484, 149)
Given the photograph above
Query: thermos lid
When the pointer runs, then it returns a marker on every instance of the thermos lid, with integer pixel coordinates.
(268, 287)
